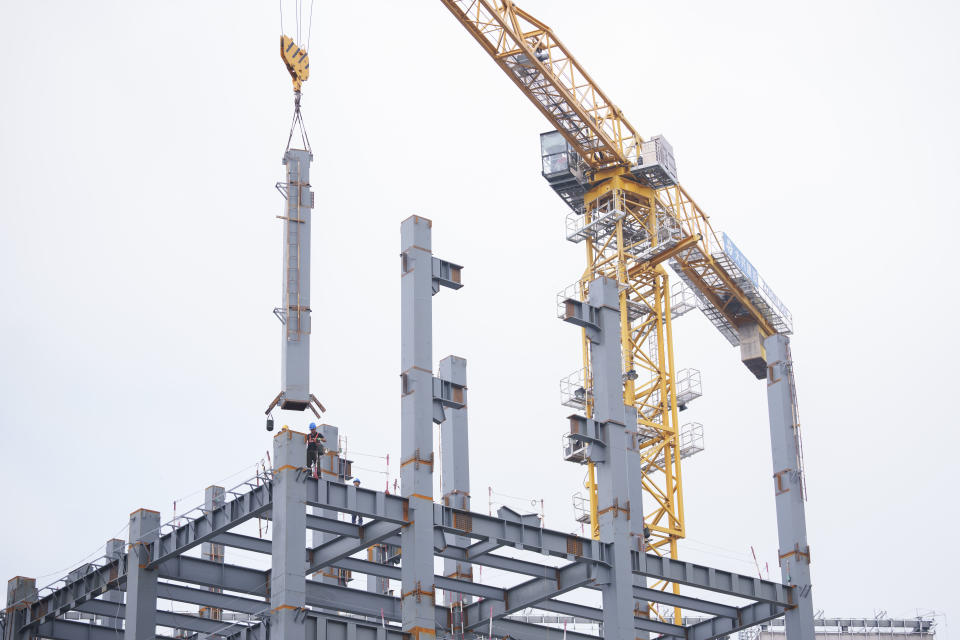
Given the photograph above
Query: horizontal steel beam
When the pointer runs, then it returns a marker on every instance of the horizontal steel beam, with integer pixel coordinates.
(748, 616)
(529, 593)
(164, 618)
(368, 503)
(526, 631)
(243, 507)
(393, 573)
(64, 630)
(344, 546)
(518, 535)
(215, 574)
(684, 602)
(205, 598)
(238, 541)
(712, 579)
(84, 587)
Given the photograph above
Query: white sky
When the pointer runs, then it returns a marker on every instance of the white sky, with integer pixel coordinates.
(140, 259)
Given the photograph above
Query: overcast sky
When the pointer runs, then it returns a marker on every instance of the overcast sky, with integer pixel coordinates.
(141, 258)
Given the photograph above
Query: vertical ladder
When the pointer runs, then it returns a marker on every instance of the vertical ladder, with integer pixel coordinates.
(293, 255)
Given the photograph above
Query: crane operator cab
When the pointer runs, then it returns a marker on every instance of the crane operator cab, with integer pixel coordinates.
(563, 168)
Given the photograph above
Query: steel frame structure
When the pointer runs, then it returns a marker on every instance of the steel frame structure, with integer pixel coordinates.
(121, 597)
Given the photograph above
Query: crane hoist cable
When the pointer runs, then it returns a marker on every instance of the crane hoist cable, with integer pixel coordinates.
(297, 61)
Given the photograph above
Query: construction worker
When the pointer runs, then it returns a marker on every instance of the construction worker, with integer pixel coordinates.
(355, 519)
(315, 448)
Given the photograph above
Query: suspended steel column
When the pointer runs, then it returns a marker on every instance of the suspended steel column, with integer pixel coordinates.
(141, 619)
(288, 582)
(421, 276)
(788, 485)
(295, 359)
(455, 465)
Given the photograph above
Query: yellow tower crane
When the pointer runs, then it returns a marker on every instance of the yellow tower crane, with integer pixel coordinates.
(634, 218)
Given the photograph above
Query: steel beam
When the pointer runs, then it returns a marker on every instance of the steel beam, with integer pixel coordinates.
(720, 627)
(711, 579)
(343, 547)
(141, 610)
(788, 487)
(367, 503)
(239, 541)
(243, 507)
(209, 574)
(525, 631)
(684, 602)
(180, 593)
(528, 594)
(64, 630)
(164, 618)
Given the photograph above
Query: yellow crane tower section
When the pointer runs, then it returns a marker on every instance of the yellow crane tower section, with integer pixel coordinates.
(633, 217)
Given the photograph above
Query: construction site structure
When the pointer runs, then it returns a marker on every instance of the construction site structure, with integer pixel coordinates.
(311, 590)
(627, 208)
(184, 578)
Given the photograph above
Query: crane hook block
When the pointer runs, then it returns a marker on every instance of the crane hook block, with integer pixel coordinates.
(296, 59)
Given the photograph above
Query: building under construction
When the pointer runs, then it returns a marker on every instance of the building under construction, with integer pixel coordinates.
(324, 558)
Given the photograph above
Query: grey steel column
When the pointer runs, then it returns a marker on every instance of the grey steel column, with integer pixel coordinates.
(788, 486)
(141, 623)
(637, 527)
(421, 276)
(295, 359)
(329, 469)
(455, 465)
(113, 551)
(21, 593)
(614, 488)
(288, 583)
(416, 423)
(214, 497)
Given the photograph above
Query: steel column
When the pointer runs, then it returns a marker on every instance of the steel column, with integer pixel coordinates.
(295, 350)
(141, 609)
(455, 466)
(788, 486)
(612, 473)
(288, 575)
(21, 595)
(329, 469)
(113, 552)
(416, 423)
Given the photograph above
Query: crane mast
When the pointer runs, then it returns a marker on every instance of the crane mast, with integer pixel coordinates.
(633, 217)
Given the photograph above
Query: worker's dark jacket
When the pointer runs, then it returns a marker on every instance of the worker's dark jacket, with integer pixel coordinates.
(315, 444)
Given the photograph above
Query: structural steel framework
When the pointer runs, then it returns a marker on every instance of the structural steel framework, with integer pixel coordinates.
(306, 592)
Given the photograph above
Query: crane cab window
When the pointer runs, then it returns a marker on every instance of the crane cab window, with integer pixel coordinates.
(555, 153)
